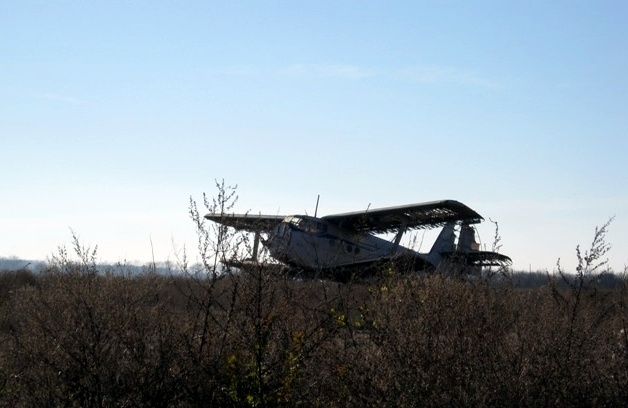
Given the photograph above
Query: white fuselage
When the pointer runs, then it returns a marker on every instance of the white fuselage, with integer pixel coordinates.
(310, 243)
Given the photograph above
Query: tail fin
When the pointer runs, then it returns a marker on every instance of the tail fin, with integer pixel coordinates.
(467, 249)
(445, 243)
(466, 241)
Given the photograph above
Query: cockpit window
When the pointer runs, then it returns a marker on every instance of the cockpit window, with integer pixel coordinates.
(307, 225)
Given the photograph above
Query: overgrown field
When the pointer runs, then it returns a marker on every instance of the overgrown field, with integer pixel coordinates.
(75, 337)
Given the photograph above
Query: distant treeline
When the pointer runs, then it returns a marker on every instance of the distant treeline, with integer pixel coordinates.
(17, 264)
(518, 279)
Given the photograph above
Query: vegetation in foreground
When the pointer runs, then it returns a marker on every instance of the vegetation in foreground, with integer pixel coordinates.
(72, 337)
(75, 335)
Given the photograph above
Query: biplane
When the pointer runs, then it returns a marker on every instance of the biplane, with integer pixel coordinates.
(339, 246)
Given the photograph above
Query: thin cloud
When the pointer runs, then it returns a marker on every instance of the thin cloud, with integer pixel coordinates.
(61, 98)
(341, 71)
(422, 75)
(239, 70)
(443, 75)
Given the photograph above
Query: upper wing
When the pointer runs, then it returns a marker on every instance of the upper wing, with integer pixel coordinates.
(422, 215)
(248, 222)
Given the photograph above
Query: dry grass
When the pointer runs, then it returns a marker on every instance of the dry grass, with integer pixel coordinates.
(258, 339)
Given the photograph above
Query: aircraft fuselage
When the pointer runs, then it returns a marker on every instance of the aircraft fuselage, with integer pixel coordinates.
(311, 243)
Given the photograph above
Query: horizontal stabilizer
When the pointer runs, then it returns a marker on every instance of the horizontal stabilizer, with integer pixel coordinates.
(480, 258)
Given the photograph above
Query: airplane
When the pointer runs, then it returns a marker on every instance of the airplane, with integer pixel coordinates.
(343, 246)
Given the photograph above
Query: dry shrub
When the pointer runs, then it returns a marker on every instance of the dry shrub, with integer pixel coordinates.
(92, 340)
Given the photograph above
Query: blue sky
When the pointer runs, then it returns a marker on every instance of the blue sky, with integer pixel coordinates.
(113, 113)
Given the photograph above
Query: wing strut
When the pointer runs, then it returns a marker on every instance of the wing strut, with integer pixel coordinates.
(255, 246)
(402, 230)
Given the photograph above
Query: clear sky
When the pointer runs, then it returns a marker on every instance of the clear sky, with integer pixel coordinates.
(113, 113)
